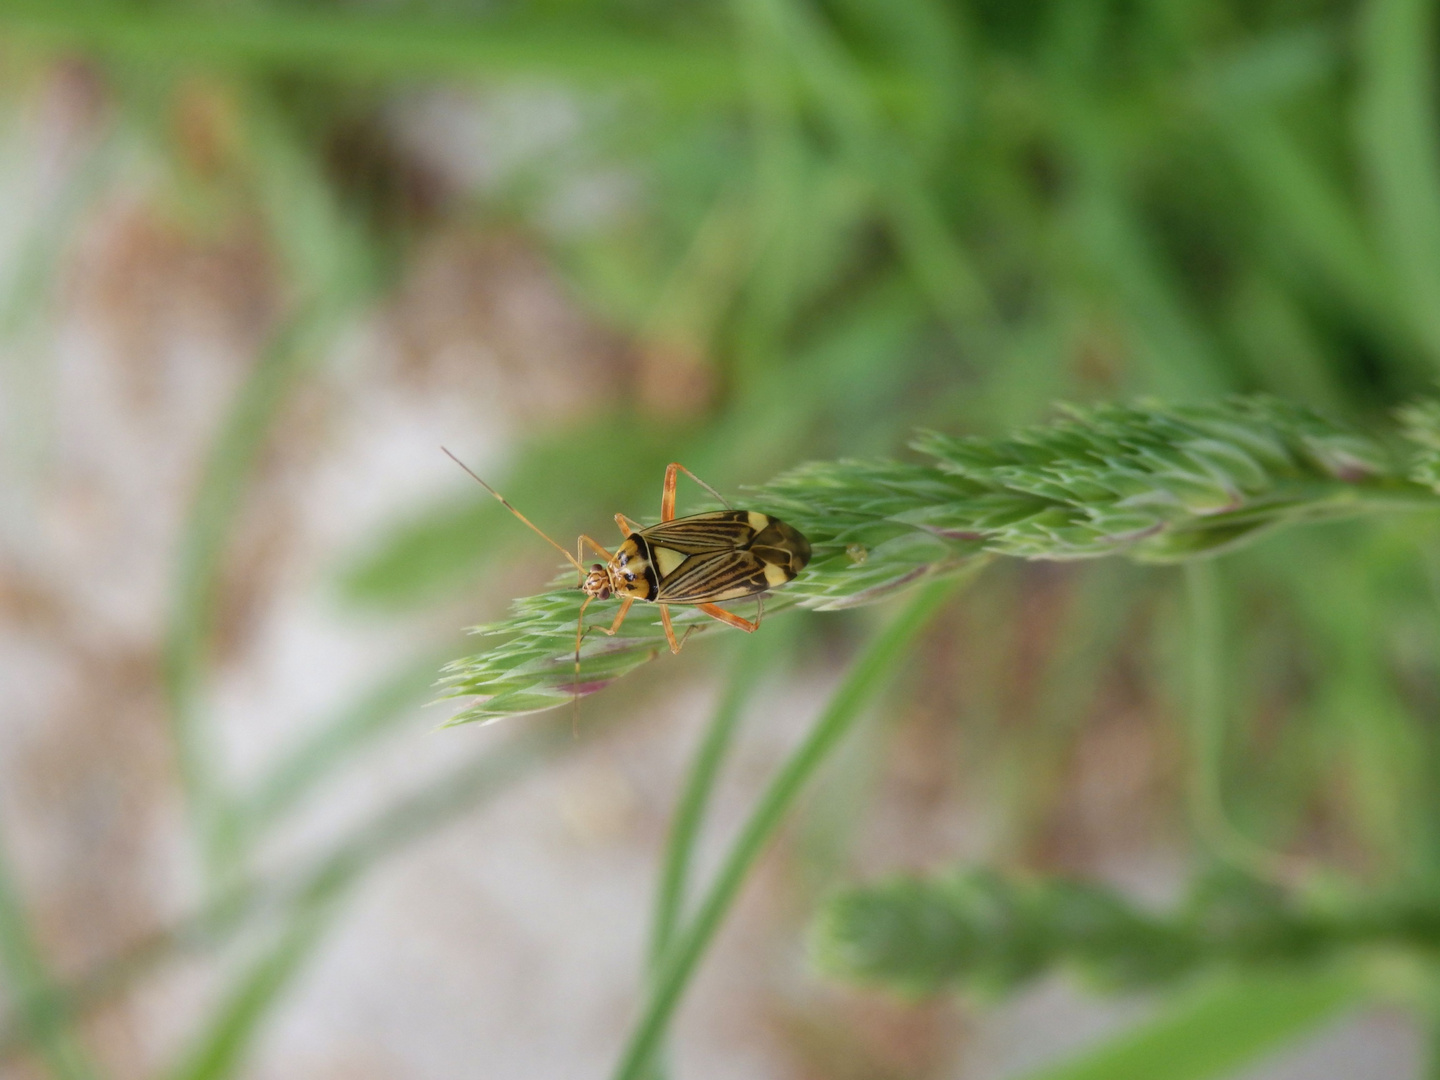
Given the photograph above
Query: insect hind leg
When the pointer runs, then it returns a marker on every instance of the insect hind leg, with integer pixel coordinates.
(729, 618)
(667, 493)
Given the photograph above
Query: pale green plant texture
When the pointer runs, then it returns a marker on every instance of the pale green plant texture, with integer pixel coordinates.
(1421, 422)
(981, 931)
(1153, 482)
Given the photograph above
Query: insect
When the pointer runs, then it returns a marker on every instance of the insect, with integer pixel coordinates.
(695, 561)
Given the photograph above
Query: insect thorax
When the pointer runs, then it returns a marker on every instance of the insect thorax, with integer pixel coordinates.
(631, 572)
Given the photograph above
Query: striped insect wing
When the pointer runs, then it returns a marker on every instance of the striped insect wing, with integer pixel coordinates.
(724, 555)
(783, 549)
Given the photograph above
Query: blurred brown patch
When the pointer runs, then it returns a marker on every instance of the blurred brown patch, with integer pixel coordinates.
(676, 381)
(94, 791)
(96, 781)
(851, 1035)
(1118, 795)
(205, 126)
(148, 282)
(486, 318)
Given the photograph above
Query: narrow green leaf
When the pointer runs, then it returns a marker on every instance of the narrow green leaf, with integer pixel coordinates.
(230, 1036)
(1399, 138)
(323, 748)
(866, 677)
(754, 656)
(1212, 1032)
(29, 986)
(365, 43)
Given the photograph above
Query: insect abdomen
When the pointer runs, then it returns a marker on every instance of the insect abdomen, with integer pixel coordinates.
(724, 556)
(781, 548)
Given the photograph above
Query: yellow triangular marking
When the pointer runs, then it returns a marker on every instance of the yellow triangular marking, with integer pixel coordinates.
(667, 559)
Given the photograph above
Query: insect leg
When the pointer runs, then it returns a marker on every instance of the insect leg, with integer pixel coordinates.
(667, 493)
(580, 548)
(675, 646)
(729, 618)
(669, 630)
(626, 525)
(620, 616)
(575, 686)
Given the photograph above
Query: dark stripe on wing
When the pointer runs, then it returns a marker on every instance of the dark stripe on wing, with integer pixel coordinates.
(714, 575)
(704, 532)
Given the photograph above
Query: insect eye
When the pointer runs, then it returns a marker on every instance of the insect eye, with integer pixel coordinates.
(605, 593)
(597, 566)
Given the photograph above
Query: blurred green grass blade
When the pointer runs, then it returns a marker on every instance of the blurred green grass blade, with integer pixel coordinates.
(854, 372)
(1273, 68)
(214, 511)
(28, 987)
(230, 1036)
(1209, 676)
(418, 560)
(1287, 352)
(944, 271)
(322, 749)
(869, 673)
(754, 656)
(28, 412)
(1399, 140)
(1171, 348)
(780, 153)
(1295, 196)
(1032, 766)
(313, 890)
(330, 264)
(1216, 1030)
(24, 289)
(1104, 218)
(353, 42)
(926, 37)
(1365, 729)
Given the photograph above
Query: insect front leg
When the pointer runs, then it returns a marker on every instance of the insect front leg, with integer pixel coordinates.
(620, 616)
(579, 636)
(730, 618)
(667, 493)
(580, 549)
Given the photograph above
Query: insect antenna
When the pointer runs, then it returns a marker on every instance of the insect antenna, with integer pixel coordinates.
(575, 686)
(506, 503)
(579, 622)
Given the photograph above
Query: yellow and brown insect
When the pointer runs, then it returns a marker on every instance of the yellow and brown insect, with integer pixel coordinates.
(696, 561)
